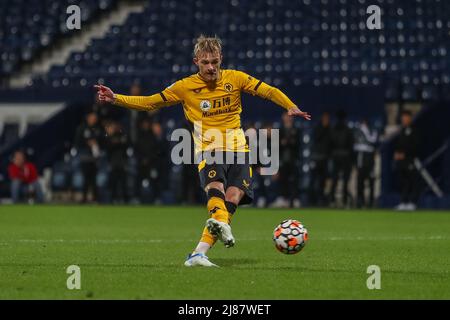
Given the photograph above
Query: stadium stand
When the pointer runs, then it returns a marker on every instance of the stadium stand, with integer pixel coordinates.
(28, 26)
(289, 42)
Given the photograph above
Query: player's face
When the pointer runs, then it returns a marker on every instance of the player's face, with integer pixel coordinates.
(209, 65)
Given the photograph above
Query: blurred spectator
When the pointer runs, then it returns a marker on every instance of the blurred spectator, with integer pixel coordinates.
(268, 191)
(320, 153)
(341, 156)
(191, 184)
(405, 151)
(190, 180)
(365, 143)
(135, 90)
(24, 179)
(289, 166)
(116, 144)
(87, 141)
(151, 152)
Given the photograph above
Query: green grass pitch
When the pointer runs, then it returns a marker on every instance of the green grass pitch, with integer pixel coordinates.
(138, 253)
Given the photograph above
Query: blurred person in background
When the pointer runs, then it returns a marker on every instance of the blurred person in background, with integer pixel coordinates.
(190, 181)
(24, 179)
(406, 148)
(151, 152)
(135, 90)
(87, 142)
(320, 154)
(289, 166)
(161, 164)
(268, 186)
(144, 147)
(116, 144)
(342, 141)
(365, 146)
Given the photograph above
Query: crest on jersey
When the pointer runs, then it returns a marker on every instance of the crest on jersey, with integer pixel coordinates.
(205, 105)
(211, 174)
(228, 87)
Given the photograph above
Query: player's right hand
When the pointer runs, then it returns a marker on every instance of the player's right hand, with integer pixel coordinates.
(104, 94)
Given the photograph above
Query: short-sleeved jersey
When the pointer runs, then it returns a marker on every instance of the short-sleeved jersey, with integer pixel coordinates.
(213, 109)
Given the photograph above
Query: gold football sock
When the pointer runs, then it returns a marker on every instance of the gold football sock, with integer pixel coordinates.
(217, 209)
(208, 237)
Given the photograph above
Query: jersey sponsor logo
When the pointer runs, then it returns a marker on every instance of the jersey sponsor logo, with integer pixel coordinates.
(216, 113)
(217, 103)
(212, 173)
(205, 105)
(217, 107)
(228, 87)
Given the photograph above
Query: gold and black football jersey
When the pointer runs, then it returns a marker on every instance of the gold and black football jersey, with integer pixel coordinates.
(213, 111)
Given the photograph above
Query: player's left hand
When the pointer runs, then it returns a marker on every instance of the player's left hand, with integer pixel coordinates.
(296, 112)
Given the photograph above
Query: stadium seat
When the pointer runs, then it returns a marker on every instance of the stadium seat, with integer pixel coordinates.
(30, 26)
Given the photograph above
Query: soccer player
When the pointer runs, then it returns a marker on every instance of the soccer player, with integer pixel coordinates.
(212, 98)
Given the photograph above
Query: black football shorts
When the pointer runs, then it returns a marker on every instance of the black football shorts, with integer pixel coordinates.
(230, 173)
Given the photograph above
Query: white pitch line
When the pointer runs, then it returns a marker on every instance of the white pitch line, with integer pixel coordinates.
(151, 241)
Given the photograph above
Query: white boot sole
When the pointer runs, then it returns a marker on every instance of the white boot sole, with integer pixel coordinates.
(216, 229)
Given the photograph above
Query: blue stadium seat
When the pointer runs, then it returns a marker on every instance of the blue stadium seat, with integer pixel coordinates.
(30, 26)
(321, 42)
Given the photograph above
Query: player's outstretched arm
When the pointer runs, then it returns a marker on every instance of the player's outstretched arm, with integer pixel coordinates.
(278, 97)
(257, 87)
(296, 112)
(145, 103)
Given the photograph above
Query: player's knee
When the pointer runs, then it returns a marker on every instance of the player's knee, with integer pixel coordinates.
(215, 185)
(234, 195)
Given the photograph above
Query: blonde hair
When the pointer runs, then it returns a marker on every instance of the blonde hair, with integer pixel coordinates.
(207, 44)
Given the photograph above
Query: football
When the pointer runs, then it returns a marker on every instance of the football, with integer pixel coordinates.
(290, 236)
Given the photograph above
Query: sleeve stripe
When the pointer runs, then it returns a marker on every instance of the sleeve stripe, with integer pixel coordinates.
(163, 96)
(257, 86)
